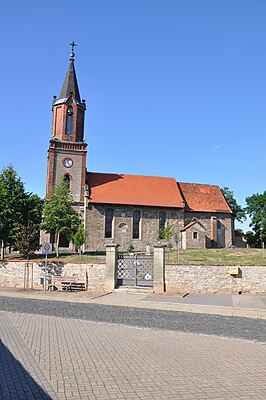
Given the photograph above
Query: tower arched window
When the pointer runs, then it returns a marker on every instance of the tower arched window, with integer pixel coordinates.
(69, 121)
(67, 179)
(136, 224)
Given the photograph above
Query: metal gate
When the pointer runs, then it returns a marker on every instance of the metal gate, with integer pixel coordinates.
(135, 270)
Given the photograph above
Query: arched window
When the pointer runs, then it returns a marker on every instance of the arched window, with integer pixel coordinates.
(67, 180)
(69, 121)
(162, 222)
(136, 224)
(162, 219)
(195, 235)
(109, 214)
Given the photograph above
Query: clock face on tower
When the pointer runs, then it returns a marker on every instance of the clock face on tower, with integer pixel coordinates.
(68, 162)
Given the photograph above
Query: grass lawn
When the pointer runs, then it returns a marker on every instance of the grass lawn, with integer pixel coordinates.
(65, 258)
(218, 257)
(196, 257)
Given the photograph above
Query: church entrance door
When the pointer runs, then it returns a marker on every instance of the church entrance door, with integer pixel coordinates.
(135, 270)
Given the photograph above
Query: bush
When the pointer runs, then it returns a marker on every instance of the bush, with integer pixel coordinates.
(130, 248)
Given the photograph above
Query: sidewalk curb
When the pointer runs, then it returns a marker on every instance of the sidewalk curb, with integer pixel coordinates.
(140, 301)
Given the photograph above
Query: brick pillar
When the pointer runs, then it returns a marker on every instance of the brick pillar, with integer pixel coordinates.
(158, 274)
(111, 264)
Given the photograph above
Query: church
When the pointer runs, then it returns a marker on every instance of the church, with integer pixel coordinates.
(131, 211)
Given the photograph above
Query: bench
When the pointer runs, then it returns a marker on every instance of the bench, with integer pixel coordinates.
(66, 283)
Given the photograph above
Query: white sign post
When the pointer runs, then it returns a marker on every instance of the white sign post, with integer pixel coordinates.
(46, 249)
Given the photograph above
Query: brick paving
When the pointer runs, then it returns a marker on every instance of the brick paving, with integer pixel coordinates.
(253, 302)
(236, 327)
(79, 359)
(20, 376)
(225, 300)
(212, 300)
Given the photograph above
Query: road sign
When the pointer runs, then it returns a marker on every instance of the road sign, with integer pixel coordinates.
(46, 248)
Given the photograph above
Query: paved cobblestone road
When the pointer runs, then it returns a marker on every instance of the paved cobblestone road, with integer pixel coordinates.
(54, 350)
(234, 327)
(51, 358)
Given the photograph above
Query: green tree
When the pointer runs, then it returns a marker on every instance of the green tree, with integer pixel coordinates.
(238, 211)
(166, 233)
(33, 210)
(17, 207)
(28, 235)
(252, 239)
(79, 237)
(13, 199)
(27, 240)
(59, 216)
(256, 209)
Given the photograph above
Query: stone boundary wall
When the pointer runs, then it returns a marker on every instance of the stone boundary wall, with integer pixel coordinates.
(15, 274)
(181, 279)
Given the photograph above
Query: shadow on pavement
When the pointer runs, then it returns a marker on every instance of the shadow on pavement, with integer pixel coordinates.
(15, 381)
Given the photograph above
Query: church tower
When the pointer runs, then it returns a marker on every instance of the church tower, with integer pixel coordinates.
(67, 148)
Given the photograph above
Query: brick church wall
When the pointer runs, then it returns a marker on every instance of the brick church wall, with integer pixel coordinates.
(123, 226)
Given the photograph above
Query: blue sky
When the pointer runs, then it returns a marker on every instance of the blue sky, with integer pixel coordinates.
(173, 88)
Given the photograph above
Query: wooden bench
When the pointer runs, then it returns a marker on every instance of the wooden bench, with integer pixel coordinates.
(66, 283)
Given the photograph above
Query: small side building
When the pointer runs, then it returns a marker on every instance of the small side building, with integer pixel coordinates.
(206, 204)
(193, 236)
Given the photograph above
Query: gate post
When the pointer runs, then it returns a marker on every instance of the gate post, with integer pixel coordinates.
(111, 266)
(159, 275)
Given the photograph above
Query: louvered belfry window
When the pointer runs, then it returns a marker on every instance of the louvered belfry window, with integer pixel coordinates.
(69, 121)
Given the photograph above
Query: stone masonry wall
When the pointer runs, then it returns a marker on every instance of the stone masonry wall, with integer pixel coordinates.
(16, 275)
(189, 242)
(225, 231)
(123, 226)
(179, 279)
(183, 279)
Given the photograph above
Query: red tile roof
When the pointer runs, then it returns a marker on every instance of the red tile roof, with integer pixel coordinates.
(187, 226)
(191, 223)
(201, 197)
(134, 190)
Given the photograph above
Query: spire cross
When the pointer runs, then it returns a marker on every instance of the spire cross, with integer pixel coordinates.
(73, 44)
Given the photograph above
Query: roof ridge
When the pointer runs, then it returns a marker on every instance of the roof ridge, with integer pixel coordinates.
(199, 184)
(123, 174)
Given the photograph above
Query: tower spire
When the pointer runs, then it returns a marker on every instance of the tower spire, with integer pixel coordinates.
(70, 85)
